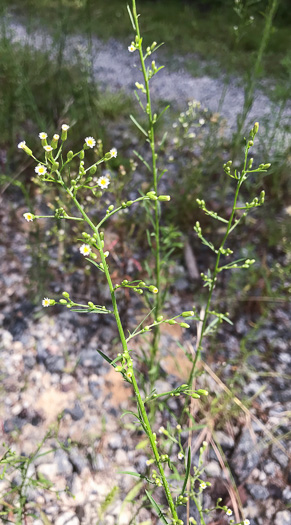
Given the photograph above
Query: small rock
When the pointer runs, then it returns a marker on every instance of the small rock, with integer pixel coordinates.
(280, 456)
(213, 469)
(14, 423)
(257, 491)
(29, 361)
(55, 364)
(115, 441)
(95, 389)
(76, 413)
(90, 359)
(271, 468)
(65, 468)
(68, 518)
(287, 495)
(246, 456)
(225, 441)
(283, 518)
(77, 459)
(121, 457)
(48, 470)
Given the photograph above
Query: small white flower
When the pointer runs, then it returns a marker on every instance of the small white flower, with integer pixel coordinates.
(180, 455)
(90, 141)
(229, 512)
(28, 217)
(85, 249)
(203, 485)
(42, 135)
(22, 144)
(113, 152)
(103, 182)
(235, 28)
(56, 136)
(65, 127)
(40, 170)
(48, 148)
(46, 302)
(246, 522)
(161, 430)
(201, 121)
(131, 48)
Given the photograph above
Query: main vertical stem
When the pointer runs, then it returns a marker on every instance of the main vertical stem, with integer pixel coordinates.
(140, 402)
(151, 136)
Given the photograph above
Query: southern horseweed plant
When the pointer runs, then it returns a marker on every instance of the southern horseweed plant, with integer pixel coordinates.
(74, 175)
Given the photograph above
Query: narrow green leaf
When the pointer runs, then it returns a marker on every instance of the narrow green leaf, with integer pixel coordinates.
(106, 358)
(142, 160)
(163, 139)
(138, 125)
(131, 413)
(139, 101)
(131, 17)
(156, 507)
(188, 466)
(162, 112)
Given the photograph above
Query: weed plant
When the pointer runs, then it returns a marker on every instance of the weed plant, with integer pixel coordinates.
(170, 483)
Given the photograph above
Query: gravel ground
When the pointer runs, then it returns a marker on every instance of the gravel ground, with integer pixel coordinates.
(49, 363)
(49, 366)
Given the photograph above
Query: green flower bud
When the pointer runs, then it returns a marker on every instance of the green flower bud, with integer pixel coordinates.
(54, 143)
(93, 170)
(187, 314)
(110, 208)
(63, 301)
(82, 154)
(65, 294)
(160, 318)
(164, 198)
(202, 392)
(184, 325)
(70, 155)
(129, 203)
(91, 304)
(171, 321)
(153, 289)
(256, 128)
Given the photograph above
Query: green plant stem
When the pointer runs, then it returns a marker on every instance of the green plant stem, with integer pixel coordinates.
(140, 403)
(229, 228)
(151, 138)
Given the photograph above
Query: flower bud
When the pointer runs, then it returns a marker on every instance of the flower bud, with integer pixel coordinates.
(256, 128)
(184, 325)
(164, 198)
(66, 294)
(153, 289)
(54, 143)
(70, 155)
(63, 301)
(93, 170)
(187, 314)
